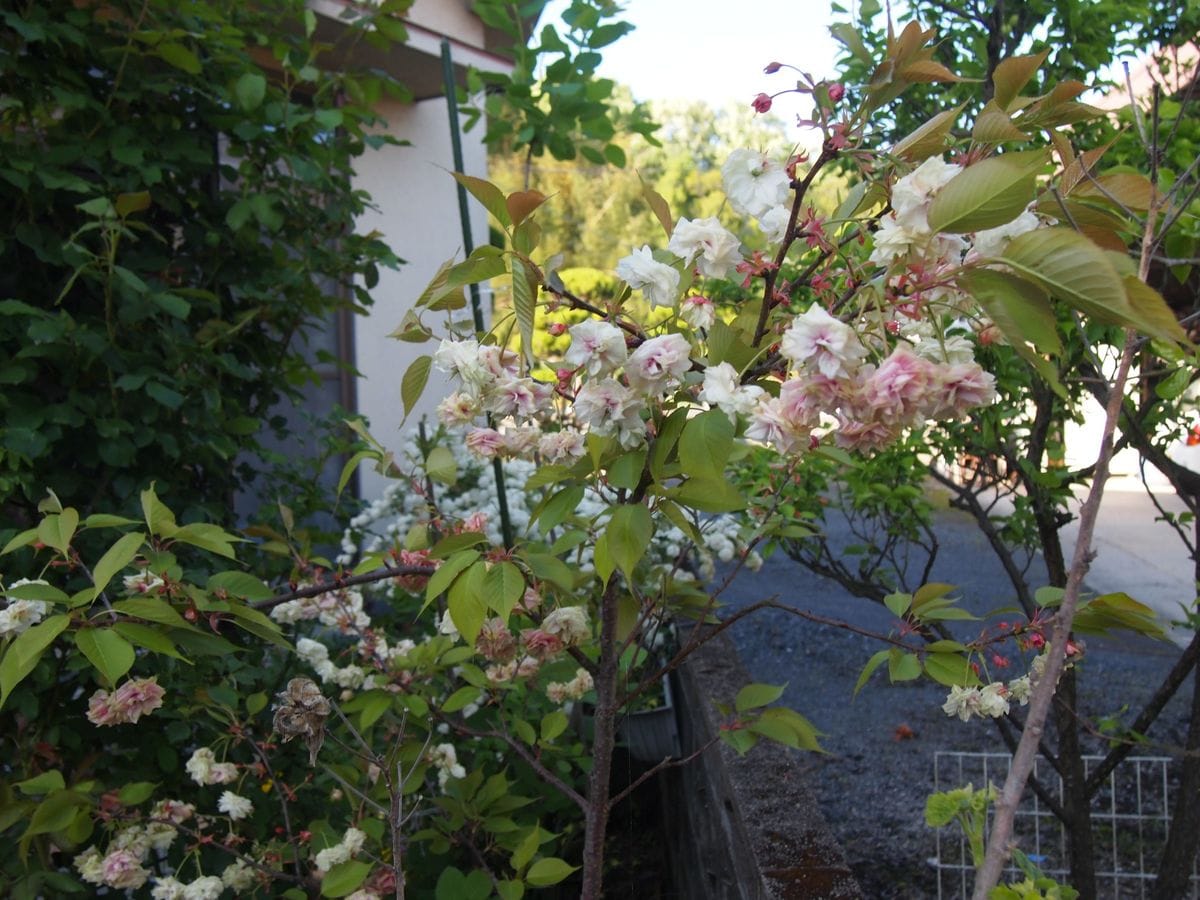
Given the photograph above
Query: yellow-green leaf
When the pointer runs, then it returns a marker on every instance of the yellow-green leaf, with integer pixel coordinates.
(110, 653)
(988, 194)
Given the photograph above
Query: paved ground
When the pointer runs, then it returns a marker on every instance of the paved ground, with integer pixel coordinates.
(873, 782)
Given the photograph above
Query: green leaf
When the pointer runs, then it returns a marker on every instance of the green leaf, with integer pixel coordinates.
(24, 652)
(898, 604)
(628, 534)
(412, 385)
(447, 572)
(42, 784)
(179, 56)
(239, 584)
(903, 666)
(250, 89)
(503, 586)
(553, 724)
(869, 669)
(137, 792)
(558, 506)
(351, 465)
(464, 696)
(626, 470)
(548, 871)
(152, 609)
(208, 537)
(1151, 315)
(159, 519)
(465, 603)
(705, 445)
(708, 495)
(1073, 269)
(550, 568)
(116, 558)
(524, 304)
(150, 638)
(1012, 74)
(24, 539)
(988, 194)
(448, 546)
(110, 653)
(56, 530)
(753, 696)
(441, 466)
(929, 139)
(344, 878)
(1020, 308)
(488, 194)
(54, 813)
(950, 669)
(993, 126)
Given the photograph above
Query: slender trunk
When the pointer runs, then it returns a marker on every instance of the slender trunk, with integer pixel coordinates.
(596, 820)
(1183, 839)
(1076, 805)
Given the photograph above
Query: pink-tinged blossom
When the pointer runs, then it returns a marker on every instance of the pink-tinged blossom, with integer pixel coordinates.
(658, 282)
(596, 347)
(754, 182)
(520, 441)
(568, 623)
(804, 399)
(175, 811)
(706, 242)
(837, 91)
(459, 408)
(562, 446)
(528, 666)
(818, 340)
(962, 388)
(724, 390)
(143, 582)
(698, 311)
(852, 434)
(541, 645)
(772, 423)
(607, 407)
(658, 364)
(762, 103)
(128, 703)
(485, 442)
(899, 390)
(204, 769)
(123, 870)
(495, 642)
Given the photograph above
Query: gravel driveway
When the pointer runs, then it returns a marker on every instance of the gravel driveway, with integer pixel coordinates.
(873, 782)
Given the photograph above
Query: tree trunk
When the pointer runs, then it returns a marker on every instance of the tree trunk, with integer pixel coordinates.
(1175, 867)
(605, 722)
(1076, 803)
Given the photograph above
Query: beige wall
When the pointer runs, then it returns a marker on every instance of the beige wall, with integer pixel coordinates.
(418, 215)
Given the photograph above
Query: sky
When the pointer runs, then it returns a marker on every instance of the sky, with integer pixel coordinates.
(716, 49)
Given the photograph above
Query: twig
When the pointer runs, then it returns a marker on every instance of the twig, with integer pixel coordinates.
(667, 763)
(342, 582)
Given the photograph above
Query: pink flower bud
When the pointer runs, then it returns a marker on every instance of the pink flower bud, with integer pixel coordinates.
(556, 328)
(772, 67)
(837, 91)
(762, 103)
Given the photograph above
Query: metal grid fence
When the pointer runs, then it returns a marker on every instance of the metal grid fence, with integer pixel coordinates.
(1130, 817)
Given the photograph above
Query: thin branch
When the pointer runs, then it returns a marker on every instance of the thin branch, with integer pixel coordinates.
(341, 582)
(667, 763)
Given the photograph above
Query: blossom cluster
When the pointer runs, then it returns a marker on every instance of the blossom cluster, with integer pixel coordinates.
(472, 504)
(135, 698)
(350, 844)
(995, 699)
(18, 615)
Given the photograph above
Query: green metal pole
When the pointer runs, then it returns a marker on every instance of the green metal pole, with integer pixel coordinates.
(468, 246)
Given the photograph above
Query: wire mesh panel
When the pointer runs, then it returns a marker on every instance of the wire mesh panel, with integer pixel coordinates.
(1130, 819)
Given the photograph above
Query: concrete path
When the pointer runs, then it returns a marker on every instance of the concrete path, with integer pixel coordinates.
(1136, 554)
